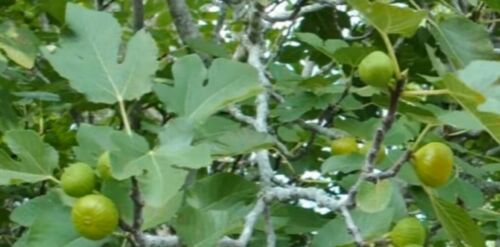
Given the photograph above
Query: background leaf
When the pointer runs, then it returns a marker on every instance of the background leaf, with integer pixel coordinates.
(19, 44)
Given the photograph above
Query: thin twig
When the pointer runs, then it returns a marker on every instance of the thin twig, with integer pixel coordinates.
(238, 115)
(387, 122)
(352, 227)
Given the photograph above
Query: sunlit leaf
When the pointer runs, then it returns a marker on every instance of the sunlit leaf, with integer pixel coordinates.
(89, 57)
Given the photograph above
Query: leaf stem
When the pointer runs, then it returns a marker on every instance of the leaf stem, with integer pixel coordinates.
(123, 113)
(415, 93)
(422, 135)
(55, 180)
(392, 55)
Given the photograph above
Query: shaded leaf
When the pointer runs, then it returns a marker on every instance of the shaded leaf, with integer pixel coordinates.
(343, 163)
(36, 159)
(457, 223)
(19, 44)
(463, 41)
(370, 225)
(204, 228)
(213, 192)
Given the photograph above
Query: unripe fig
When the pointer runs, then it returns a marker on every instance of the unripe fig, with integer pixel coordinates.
(433, 164)
(104, 166)
(94, 216)
(376, 69)
(78, 180)
(344, 145)
(407, 232)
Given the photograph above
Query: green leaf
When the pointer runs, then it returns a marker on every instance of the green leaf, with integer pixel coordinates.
(204, 228)
(54, 228)
(163, 175)
(55, 8)
(336, 49)
(463, 41)
(8, 117)
(88, 58)
(213, 192)
(327, 47)
(390, 19)
(352, 55)
(343, 163)
(36, 159)
(228, 82)
(34, 95)
(119, 192)
(371, 226)
(457, 223)
(155, 216)
(494, 4)
(372, 198)
(470, 100)
(26, 214)
(19, 44)
(293, 219)
(49, 222)
(484, 77)
(208, 46)
(240, 141)
(459, 119)
(3, 63)
(95, 140)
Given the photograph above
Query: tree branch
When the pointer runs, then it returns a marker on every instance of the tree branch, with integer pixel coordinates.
(238, 115)
(271, 236)
(387, 122)
(161, 241)
(289, 15)
(333, 134)
(138, 8)
(246, 234)
(319, 196)
(183, 20)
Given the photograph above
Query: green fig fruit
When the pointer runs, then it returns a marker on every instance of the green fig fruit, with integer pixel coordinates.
(407, 231)
(376, 69)
(344, 145)
(94, 216)
(78, 180)
(433, 164)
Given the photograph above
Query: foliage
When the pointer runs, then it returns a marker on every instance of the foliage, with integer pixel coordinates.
(246, 123)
